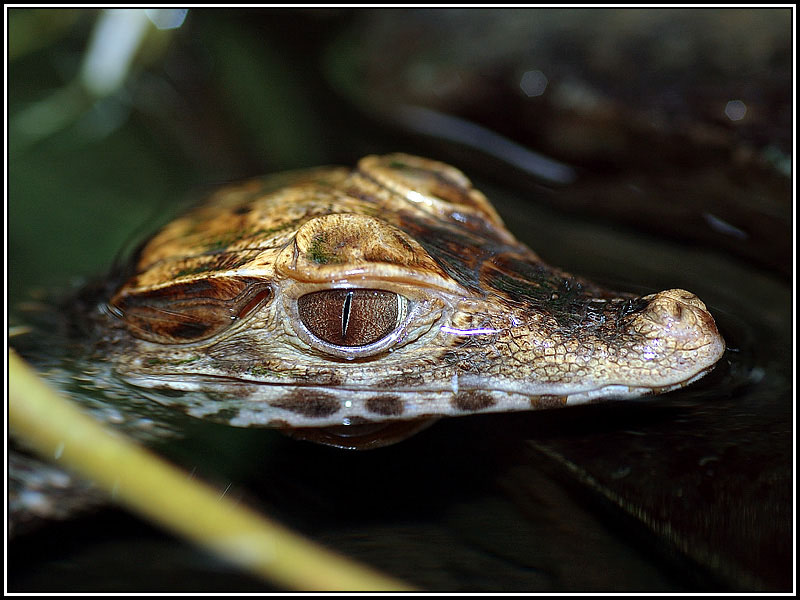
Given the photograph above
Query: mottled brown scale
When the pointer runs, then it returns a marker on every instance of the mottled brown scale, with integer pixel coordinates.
(353, 306)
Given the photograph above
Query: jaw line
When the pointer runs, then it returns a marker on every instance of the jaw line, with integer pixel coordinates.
(194, 383)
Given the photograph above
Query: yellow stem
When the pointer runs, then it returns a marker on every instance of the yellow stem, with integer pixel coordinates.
(148, 485)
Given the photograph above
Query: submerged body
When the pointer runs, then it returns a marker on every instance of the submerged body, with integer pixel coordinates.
(351, 307)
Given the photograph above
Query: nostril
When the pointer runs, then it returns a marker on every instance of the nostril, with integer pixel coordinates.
(680, 316)
(683, 297)
(673, 307)
(677, 311)
(668, 312)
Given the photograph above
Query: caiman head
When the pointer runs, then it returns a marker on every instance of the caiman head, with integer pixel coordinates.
(351, 307)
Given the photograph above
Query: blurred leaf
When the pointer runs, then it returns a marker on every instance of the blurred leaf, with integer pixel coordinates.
(262, 90)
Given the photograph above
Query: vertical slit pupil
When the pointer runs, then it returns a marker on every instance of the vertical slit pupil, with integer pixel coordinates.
(348, 300)
(354, 317)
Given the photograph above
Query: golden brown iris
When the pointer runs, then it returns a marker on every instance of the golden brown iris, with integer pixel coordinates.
(350, 317)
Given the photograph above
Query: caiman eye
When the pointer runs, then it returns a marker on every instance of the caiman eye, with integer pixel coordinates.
(188, 312)
(351, 317)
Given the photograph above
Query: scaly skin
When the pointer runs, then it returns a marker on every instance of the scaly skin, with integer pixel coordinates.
(482, 324)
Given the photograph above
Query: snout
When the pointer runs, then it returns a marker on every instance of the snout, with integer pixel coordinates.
(678, 326)
(682, 317)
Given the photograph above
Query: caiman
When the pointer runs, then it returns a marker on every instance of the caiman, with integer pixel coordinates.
(353, 307)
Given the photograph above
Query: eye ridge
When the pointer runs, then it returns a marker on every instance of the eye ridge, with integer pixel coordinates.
(350, 318)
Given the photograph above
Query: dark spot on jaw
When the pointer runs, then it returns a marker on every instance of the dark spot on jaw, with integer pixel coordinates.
(548, 401)
(313, 405)
(473, 401)
(385, 405)
(242, 210)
